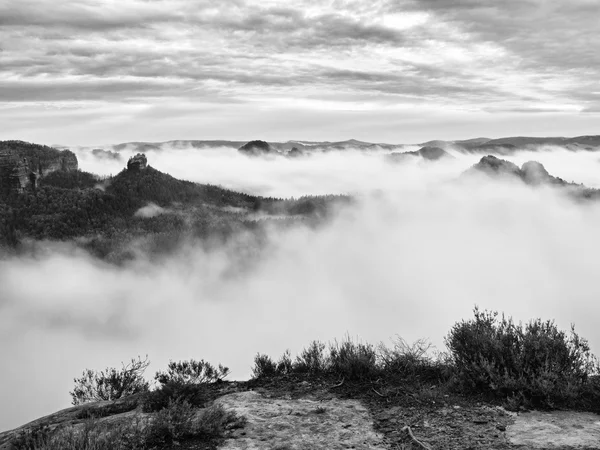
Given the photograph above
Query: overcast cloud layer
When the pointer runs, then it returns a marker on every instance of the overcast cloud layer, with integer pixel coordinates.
(99, 71)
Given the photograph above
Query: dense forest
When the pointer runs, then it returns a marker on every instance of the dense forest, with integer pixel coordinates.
(101, 214)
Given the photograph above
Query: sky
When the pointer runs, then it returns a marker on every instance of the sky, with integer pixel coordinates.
(87, 72)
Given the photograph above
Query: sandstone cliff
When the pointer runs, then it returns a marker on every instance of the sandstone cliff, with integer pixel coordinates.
(22, 163)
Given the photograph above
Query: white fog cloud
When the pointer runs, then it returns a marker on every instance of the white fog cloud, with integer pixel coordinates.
(411, 258)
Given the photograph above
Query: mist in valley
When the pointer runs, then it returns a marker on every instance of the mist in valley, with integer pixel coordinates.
(418, 250)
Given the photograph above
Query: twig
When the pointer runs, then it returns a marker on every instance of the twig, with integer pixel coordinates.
(412, 436)
(338, 385)
(381, 395)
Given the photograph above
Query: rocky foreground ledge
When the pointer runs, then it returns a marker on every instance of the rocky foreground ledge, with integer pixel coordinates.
(294, 414)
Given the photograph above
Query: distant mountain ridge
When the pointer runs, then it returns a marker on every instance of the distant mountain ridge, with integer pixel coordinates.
(503, 146)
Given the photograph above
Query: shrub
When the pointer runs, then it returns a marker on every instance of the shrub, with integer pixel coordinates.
(353, 361)
(536, 363)
(110, 384)
(192, 372)
(172, 423)
(312, 359)
(194, 394)
(184, 381)
(176, 422)
(413, 361)
(90, 435)
(264, 367)
(285, 365)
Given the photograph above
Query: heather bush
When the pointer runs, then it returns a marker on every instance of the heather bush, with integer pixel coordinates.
(312, 359)
(353, 361)
(183, 382)
(264, 367)
(414, 361)
(110, 384)
(535, 363)
(192, 372)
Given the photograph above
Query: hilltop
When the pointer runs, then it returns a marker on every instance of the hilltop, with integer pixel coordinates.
(104, 214)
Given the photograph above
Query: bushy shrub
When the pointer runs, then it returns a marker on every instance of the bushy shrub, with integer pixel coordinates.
(183, 382)
(192, 372)
(173, 423)
(536, 362)
(264, 367)
(110, 384)
(414, 361)
(159, 398)
(353, 361)
(312, 359)
(285, 364)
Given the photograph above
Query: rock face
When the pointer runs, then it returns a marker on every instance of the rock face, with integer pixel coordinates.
(22, 163)
(257, 148)
(137, 162)
(14, 175)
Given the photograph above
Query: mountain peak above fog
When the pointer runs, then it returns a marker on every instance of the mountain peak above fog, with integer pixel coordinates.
(531, 172)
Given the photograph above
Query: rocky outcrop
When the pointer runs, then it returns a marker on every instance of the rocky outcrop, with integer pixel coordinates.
(22, 163)
(295, 152)
(14, 175)
(428, 153)
(257, 148)
(532, 172)
(137, 163)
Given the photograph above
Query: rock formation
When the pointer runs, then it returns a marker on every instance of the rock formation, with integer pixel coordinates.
(295, 152)
(532, 172)
(14, 175)
(137, 162)
(257, 148)
(22, 163)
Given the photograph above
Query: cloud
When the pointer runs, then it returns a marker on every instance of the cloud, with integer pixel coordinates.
(450, 55)
(150, 210)
(412, 257)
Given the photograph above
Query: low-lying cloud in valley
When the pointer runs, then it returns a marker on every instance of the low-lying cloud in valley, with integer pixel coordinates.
(412, 256)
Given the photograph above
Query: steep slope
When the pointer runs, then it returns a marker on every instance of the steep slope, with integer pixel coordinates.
(22, 163)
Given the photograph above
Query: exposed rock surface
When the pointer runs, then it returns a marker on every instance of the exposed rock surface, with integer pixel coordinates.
(22, 163)
(137, 162)
(14, 175)
(300, 424)
(555, 430)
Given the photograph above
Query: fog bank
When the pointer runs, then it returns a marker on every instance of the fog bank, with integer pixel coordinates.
(413, 256)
